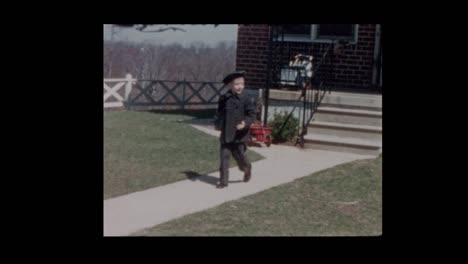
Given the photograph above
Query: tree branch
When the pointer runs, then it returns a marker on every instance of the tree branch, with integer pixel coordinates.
(141, 29)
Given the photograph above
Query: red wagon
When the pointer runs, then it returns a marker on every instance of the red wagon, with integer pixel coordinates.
(259, 133)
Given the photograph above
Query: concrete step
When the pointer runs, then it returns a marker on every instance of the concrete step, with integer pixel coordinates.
(353, 107)
(346, 130)
(362, 95)
(342, 144)
(348, 116)
(352, 101)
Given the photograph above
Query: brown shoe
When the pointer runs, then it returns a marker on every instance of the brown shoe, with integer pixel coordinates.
(220, 186)
(247, 173)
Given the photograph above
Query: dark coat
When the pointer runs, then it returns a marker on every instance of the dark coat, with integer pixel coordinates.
(232, 109)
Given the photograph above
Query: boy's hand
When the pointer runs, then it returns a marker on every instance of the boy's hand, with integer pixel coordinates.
(241, 125)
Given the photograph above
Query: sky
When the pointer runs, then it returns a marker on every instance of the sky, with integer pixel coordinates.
(207, 34)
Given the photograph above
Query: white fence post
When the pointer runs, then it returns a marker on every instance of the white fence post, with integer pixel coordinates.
(112, 91)
(128, 85)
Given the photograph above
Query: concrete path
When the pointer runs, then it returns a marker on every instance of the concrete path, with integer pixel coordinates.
(130, 213)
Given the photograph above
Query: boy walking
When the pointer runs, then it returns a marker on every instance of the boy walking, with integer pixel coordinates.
(233, 118)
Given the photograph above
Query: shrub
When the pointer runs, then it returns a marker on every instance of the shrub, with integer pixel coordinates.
(282, 131)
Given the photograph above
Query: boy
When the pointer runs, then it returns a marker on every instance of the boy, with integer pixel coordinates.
(233, 118)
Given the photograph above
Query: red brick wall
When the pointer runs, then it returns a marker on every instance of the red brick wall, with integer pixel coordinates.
(352, 68)
(252, 48)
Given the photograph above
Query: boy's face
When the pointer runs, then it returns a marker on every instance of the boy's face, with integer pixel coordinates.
(237, 85)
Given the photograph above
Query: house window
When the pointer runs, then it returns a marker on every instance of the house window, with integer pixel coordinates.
(298, 31)
(324, 33)
(335, 31)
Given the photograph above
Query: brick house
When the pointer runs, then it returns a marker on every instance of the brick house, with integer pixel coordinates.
(356, 65)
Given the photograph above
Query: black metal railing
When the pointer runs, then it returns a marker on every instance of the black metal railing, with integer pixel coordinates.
(313, 90)
(318, 87)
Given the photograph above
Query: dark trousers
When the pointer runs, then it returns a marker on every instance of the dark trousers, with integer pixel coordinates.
(238, 152)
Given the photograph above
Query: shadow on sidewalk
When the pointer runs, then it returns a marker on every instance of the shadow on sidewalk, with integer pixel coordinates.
(195, 176)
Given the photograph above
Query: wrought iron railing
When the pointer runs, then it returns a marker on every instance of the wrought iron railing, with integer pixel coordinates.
(318, 87)
(313, 90)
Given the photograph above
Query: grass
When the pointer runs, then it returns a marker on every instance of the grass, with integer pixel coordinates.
(342, 201)
(148, 149)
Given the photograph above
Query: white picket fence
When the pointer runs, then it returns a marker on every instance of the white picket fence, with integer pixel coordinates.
(113, 86)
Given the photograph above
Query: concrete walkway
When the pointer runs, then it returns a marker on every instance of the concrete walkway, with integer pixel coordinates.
(130, 213)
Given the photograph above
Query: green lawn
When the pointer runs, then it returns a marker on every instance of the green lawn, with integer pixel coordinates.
(148, 149)
(342, 201)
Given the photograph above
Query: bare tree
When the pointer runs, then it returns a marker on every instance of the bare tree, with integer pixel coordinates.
(197, 62)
